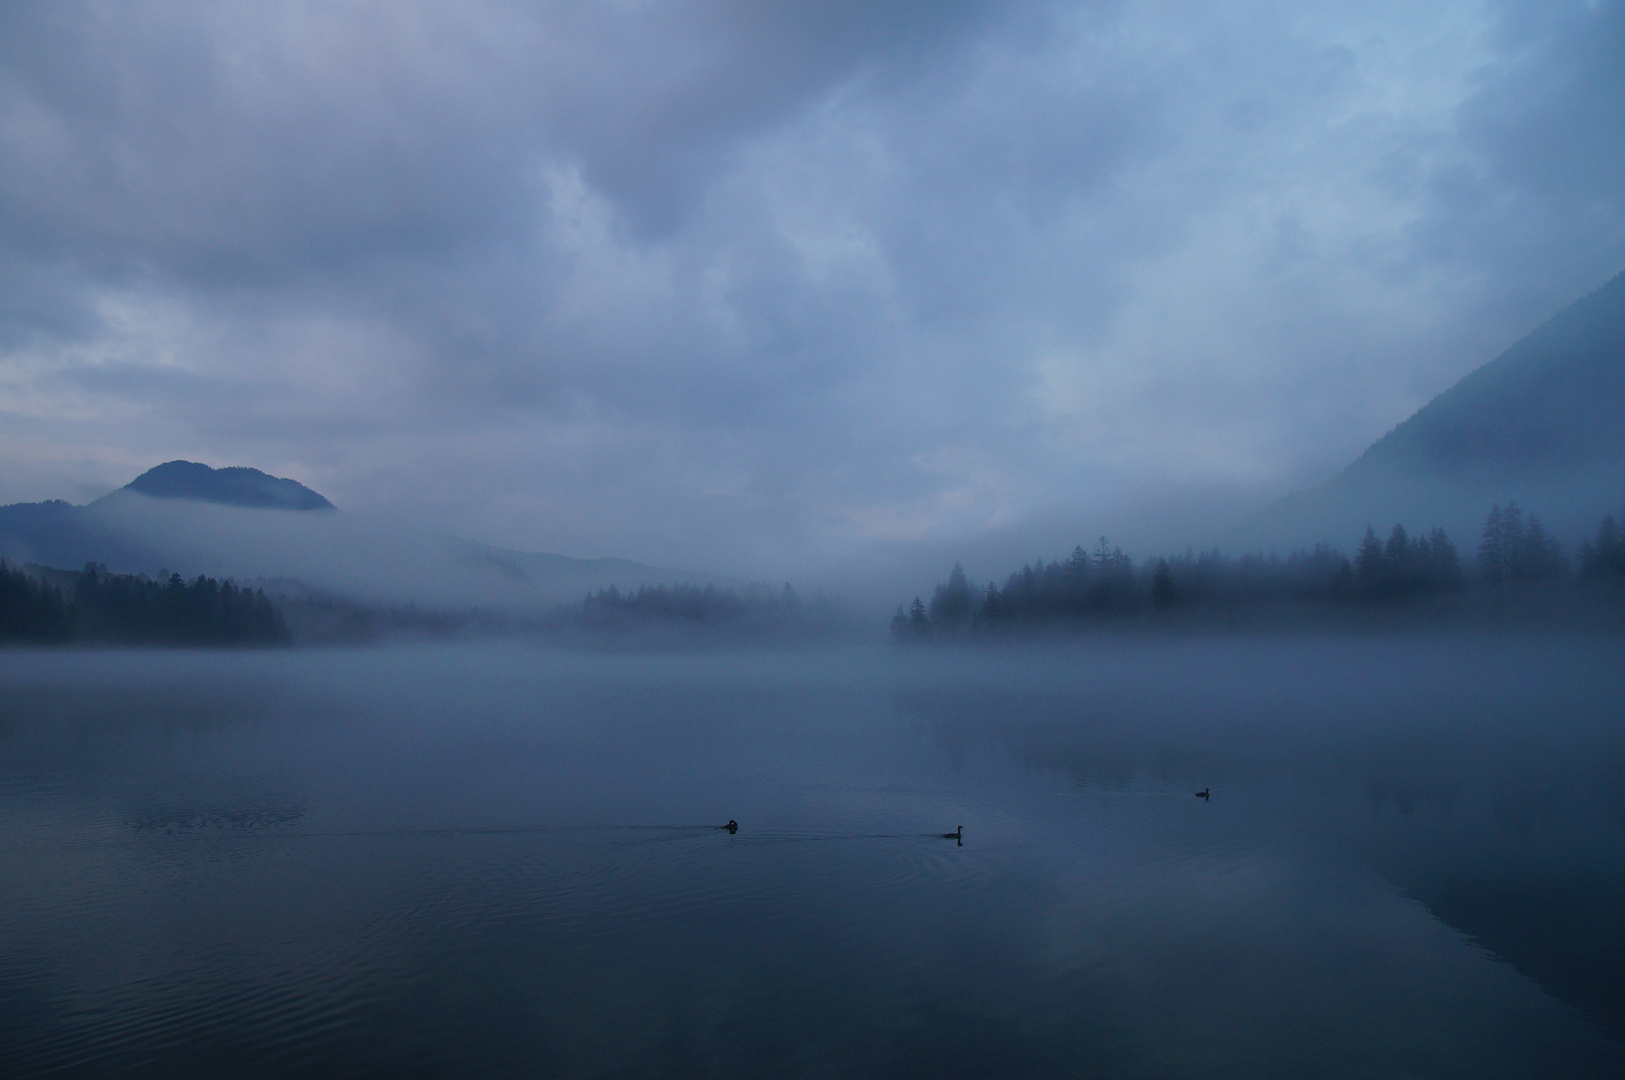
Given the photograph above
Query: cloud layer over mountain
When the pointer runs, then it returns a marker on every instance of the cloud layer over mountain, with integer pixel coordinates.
(778, 285)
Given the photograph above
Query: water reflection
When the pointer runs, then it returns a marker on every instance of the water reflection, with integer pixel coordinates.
(506, 862)
(1502, 810)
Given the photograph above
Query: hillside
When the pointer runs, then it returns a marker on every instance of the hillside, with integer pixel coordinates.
(59, 534)
(1542, 424)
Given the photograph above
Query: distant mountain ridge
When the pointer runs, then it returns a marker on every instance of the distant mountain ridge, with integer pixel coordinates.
(234, 485)
(1542, 424)
(60, 534)
(188, 517)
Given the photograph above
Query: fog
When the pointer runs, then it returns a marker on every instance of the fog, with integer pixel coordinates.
(373, 558)
(842, 544)
(503, 856)
(799, 291)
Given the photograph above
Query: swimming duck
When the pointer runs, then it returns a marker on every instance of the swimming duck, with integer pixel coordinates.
(1204, 794)
(732, 826)
(958, 834)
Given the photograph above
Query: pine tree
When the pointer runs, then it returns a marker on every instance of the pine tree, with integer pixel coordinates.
(951, 603)
(31, 610)
(1370, 564)
(1441, 566)
(1103, 554)
(917, 620)
(1162, 585)
(1603, 559)
(1494, 560)
(1538, 554)
(1511, 541)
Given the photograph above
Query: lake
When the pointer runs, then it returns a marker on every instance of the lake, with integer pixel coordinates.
(495, 860)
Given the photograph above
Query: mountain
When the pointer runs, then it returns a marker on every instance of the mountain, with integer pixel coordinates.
(1543, 424)
(231, 486)
(57, 533)
(189, 518)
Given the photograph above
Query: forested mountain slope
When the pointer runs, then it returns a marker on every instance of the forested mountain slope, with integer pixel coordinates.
(1543, 424)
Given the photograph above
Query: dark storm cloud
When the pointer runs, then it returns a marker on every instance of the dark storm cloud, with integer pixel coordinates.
(766, 283)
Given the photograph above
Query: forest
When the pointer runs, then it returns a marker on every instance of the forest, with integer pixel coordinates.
(1519, 570)
(649, 614)
(758, 612)
(40, 606)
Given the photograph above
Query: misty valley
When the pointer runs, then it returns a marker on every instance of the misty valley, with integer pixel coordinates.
(1521, 577)
(509, 859)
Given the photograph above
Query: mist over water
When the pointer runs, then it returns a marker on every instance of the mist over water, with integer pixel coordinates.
(722, 539)
(487, 861)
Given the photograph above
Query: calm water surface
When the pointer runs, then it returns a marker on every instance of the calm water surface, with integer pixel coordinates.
(502, 861)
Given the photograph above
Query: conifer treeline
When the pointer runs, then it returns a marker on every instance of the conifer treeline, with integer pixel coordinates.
(92, 605)
(757, 609)
(1104, 584)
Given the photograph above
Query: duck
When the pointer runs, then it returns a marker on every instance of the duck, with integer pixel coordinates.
(732, 826)
(958, 834)
(1204, 794)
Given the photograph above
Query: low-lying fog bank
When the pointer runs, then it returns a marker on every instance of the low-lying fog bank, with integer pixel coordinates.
(1420, 836)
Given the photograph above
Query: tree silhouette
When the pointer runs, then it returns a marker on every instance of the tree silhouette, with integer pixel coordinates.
(951, 603)
(1603, 558)
(1162, 585)
(30, 610)
(918, 623)
(1538, 554)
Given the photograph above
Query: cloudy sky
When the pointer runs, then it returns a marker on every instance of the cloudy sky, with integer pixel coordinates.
(769, 285)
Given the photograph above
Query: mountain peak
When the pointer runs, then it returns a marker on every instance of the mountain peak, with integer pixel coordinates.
(234, 485)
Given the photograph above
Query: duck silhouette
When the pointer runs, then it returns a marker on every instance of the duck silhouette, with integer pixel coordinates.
(957, 836)
(732, 826)
(1204, 794)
